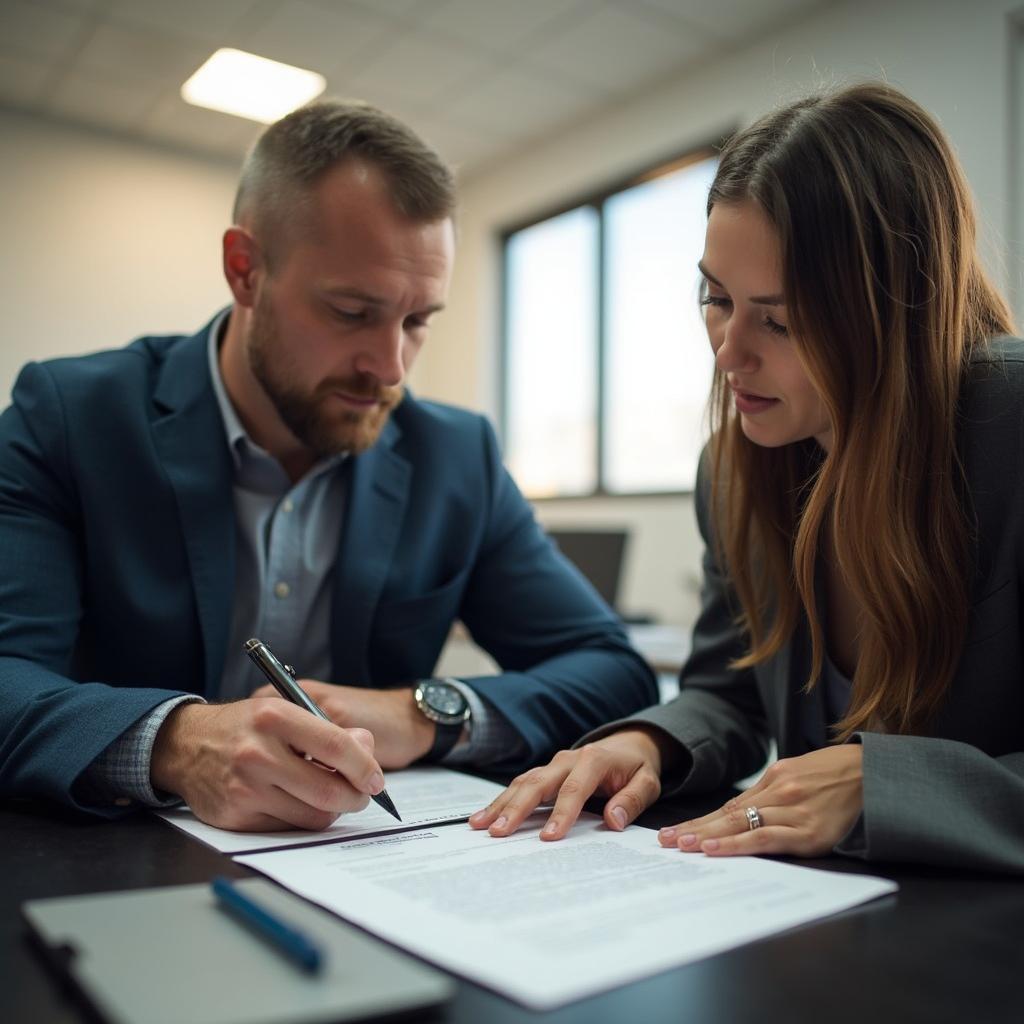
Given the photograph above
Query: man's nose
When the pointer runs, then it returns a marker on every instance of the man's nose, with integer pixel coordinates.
(382, 356)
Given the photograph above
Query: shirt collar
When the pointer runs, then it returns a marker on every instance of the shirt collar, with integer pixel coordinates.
(253, 464)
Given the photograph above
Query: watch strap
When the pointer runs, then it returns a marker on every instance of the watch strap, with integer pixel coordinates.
(445, 738)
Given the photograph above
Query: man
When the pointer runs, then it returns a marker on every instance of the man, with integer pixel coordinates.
(270, 477)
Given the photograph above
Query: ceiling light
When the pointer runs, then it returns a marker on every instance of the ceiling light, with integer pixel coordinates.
(249, 86)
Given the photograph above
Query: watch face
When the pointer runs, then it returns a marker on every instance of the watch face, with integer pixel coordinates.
(445, 700)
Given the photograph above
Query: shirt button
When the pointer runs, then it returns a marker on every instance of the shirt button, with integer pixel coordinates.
(122, 801)
(282, 589)
(287, 505)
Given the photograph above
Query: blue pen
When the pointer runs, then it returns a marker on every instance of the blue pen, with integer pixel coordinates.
(293, 944)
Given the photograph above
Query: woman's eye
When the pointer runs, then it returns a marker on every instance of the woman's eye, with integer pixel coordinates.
(774, 326)
(718, 301)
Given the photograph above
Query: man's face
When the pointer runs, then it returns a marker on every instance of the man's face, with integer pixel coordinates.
(338, 322)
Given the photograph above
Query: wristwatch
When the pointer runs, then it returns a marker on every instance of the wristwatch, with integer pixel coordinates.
(443, 703)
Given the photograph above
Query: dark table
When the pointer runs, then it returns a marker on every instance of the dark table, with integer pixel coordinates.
(948, 947)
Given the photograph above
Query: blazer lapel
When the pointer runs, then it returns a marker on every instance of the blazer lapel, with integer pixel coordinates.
(190, 441)
(378, 493)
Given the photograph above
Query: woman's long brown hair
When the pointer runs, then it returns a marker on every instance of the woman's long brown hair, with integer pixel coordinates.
(886, 301)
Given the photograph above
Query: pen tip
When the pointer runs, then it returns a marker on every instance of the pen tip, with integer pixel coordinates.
(383, 800)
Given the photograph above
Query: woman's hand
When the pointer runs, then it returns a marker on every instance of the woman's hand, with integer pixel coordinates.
(625, 766)
(806, 805)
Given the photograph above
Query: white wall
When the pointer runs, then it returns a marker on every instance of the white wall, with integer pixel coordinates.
(950, 55)
(102, 240)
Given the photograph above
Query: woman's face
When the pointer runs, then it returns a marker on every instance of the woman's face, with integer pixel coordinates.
(746, 321)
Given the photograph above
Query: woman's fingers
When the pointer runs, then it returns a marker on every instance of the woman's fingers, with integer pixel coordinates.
(506, 812)
(587, 776)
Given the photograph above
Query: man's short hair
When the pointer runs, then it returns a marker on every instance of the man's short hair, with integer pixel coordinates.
(293, 154)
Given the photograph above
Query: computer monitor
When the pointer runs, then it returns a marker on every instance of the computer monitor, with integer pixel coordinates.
(598, 554)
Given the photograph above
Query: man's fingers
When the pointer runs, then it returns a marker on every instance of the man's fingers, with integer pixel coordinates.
(327, 743)
(296, 813)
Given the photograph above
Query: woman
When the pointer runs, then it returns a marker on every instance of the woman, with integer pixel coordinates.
(862, 507)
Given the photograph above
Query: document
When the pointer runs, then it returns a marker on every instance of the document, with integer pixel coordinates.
(423, 796)
(548, 923)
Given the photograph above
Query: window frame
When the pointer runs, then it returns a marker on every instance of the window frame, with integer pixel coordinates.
(595, 199)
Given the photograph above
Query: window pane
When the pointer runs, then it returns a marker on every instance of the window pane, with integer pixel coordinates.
(551, 371)
(658, 362)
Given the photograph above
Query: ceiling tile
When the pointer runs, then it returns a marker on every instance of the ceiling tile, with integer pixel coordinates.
(409, 10)
(420, 68)
(615, 51)
(728, 19)
(329, 41)
(513, 103)
(22, 80)
(499, 27)
(39, 29)
(107, 104)
(130, 54)
(212, 22)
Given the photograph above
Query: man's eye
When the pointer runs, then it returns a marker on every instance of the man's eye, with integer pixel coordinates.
(350, 315)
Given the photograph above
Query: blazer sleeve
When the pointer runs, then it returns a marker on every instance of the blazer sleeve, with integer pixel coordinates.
(718, 719)
(52, 726)
(567, 665)
(939, 801)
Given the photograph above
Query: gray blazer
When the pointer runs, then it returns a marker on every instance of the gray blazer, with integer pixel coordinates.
(952, 797)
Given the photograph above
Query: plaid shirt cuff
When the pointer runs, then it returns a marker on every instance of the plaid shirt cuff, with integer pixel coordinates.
(491, 738)
(120, 775)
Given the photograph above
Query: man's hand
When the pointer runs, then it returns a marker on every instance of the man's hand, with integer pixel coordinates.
(806, 805)
(401, 732)
(625, 766)
(240, 766)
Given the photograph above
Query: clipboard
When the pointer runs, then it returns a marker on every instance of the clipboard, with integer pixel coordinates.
(164, 956)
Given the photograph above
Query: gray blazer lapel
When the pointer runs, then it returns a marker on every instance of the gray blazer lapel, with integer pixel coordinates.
(378, 493)
(189, 439)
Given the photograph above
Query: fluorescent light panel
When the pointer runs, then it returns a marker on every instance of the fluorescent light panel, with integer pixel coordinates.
(246, 85)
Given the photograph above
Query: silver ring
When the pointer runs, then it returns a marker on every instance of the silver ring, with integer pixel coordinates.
(753, 818)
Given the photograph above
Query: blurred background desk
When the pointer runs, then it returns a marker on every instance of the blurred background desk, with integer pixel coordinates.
(947, 948)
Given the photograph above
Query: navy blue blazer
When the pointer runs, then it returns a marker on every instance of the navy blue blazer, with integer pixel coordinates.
(117, 567)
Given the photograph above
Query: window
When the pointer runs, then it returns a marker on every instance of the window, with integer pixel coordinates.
(607, 364)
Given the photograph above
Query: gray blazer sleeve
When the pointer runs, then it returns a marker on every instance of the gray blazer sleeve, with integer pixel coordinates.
(718, 719)
(939, 801)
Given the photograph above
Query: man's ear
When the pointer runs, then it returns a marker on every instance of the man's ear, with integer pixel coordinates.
(242, 263)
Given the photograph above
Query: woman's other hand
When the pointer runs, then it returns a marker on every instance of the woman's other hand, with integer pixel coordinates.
(805, 805)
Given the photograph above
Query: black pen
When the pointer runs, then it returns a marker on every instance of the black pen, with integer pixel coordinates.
(282, 678)
(286, 939)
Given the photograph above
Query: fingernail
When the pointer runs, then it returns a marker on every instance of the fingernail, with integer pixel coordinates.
(476, 815)
(549, 829)
(710, 845)
(501, 822)
(619, 817)
(668, 834)
(376, 783)
(688, 840)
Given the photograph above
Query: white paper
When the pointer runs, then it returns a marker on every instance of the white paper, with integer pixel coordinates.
(547, 923)
(423, 796)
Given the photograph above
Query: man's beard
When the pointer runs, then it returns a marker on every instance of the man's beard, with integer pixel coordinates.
(306, 416)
